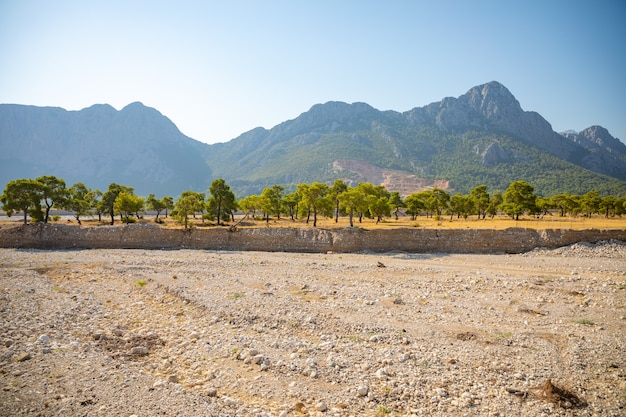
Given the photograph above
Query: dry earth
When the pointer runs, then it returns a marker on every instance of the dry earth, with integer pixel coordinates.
(202, 333)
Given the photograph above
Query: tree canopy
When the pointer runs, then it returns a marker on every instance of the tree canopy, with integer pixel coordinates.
(37, 197)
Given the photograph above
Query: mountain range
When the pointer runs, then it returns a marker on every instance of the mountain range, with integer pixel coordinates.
(481, 137)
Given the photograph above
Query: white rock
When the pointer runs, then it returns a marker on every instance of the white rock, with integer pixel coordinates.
(362, 391)
(381, 373)
(229, 401)
(442, 392)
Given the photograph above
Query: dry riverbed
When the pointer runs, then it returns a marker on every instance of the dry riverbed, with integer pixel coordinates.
(205, 333)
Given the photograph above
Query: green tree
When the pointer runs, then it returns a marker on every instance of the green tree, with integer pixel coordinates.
(414, 205)
(187, 205)
(337, 188)
(250, 204)
(272, 201)
(376, 199)
(544, 205)
(168, 201)
(314, 199)
(439, 201)
(221, 201)
(480, 199)
(291, 202)
(54, 193)
(379, 207)
(590, 203)
(156, 204)
(396, 203)
(576, 205)
(608, 205)
(461, 205)
(620, 206)
(519, 198)
(79, 200)
(564, 203)
(198, 200)
(126, 204)
(353, 200)
(494, 204)
(23, 195)
(107, 203)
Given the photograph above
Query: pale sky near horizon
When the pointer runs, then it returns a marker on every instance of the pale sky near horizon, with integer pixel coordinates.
(220, 68)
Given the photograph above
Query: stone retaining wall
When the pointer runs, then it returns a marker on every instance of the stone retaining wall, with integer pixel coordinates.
(513, 240)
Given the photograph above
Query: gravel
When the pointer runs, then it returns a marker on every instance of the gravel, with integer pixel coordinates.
(208, 333)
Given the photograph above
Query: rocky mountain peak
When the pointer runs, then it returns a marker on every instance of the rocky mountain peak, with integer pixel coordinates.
(334, 111)
(493, 100)
(327, 117)
(597, 137)
(491, 106)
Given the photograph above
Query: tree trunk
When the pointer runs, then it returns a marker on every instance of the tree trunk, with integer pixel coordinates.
(45, 220)
(219, 210)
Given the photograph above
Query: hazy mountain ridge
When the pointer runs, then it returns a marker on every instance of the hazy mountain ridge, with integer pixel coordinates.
(136, 146)
(483, 136)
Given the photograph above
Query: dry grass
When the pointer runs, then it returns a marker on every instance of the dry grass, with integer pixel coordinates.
(497, 223)
(500, 222)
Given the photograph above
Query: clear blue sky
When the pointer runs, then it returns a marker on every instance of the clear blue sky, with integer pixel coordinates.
(218, 69)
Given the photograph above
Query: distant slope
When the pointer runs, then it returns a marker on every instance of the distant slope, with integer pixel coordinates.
(481, 137)
(136, 146)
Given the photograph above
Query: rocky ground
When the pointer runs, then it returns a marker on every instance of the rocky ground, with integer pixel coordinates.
(201, 333)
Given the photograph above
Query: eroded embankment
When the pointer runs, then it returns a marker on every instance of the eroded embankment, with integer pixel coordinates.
(513, 240)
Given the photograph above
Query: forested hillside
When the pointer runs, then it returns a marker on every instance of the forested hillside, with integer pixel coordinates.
(481, 137)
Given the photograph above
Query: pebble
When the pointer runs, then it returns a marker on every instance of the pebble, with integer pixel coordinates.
(229, 401)
(139, 350)
(321, 406)
(442, 392)
(189, 341)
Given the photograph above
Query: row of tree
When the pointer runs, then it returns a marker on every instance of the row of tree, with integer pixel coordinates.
(36, 197)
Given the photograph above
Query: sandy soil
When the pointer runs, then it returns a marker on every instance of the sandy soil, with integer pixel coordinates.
(203, 333)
